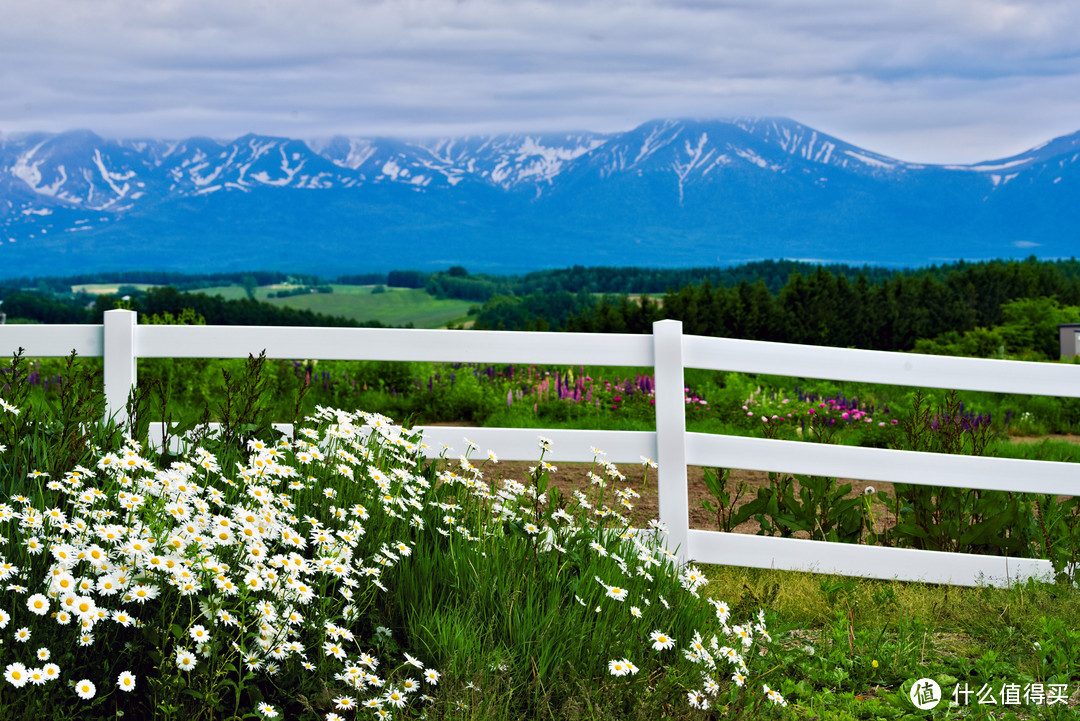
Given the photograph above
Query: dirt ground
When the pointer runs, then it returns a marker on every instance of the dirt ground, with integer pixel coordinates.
(574, 475)
(1035, 439)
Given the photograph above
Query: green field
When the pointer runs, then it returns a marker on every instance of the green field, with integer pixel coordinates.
(110, 288)
(397, 306)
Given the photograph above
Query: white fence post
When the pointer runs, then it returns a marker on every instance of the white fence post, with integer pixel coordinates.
(119, 361)
(671, 433)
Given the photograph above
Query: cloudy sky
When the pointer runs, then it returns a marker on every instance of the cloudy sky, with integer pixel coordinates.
(944, 81)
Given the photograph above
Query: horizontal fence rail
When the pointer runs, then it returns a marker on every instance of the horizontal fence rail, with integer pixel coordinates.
(880, 464)
(53, 340)
(510, 444)
(884, 367)
(121, 342)
(849, 559)
(391, 344)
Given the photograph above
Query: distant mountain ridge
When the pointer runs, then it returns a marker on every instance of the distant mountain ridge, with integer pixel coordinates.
(669, 192)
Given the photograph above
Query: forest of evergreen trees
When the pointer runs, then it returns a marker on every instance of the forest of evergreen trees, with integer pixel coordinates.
(822, 307)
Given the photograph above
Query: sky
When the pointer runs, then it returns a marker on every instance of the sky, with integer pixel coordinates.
(948, 81)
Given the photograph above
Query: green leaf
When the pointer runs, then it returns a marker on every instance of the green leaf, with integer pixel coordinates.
(911, 529)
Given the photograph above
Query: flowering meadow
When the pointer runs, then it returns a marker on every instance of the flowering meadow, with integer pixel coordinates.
(339, 574)
(522, 395)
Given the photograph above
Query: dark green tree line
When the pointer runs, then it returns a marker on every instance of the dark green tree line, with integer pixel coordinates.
(818, 308)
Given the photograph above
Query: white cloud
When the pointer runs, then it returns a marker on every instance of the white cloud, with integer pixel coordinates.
(950, 81)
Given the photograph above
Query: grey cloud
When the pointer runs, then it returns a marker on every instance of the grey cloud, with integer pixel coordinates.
(891, 71)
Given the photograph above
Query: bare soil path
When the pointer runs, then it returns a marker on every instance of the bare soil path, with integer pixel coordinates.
(575, 475)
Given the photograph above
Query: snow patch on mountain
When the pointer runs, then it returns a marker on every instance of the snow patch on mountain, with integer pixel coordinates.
(509, 162)
(869, 159)
(991, 167)
(751, 156)
(697, 155)
(804, 142)
(655, 140)
(28, 172)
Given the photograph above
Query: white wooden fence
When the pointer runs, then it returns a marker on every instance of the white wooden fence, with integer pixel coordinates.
(121, 341)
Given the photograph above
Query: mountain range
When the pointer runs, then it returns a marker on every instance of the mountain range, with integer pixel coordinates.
(667, 193)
